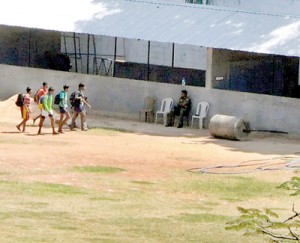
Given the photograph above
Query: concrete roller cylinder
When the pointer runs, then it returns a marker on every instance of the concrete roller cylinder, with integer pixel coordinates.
(229, 127)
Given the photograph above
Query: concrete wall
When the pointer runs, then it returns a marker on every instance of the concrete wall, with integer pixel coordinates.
(124, 98)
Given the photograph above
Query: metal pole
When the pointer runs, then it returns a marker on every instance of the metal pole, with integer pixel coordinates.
(65, 43)
(115, 56)
(88, 54)
(148, 62)
(173, 54)
(75, 54)
(95, 56)
(29, 48)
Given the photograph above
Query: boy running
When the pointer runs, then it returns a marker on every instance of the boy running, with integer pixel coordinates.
(41, 92)
(63, 108)
(79, 108)
(47, 110)
(25, 110)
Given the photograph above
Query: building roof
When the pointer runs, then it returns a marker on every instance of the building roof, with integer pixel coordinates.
(199, 25)
(269, 6)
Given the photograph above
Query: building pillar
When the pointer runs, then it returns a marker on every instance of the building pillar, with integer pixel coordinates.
(209, 67)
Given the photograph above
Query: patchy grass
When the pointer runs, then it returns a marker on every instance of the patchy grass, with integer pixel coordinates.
(98, 169)
(204, 217)
(40, 188)
(164, 211)
(103, 204)
(44, 212)
(230, 188)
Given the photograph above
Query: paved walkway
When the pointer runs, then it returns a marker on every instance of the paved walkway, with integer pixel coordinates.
(144, 127)
(160, 130)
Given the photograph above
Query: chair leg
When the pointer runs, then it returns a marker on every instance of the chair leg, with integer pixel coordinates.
(156, 117)
(200, 123)
(165, 119)
(150, 116)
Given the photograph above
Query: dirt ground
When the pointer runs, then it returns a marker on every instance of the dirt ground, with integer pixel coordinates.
(147, 151)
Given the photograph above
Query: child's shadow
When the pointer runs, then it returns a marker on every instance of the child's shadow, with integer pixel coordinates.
(11, 132)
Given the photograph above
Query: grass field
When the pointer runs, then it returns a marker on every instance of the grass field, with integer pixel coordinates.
(187, 208)
(60, 197)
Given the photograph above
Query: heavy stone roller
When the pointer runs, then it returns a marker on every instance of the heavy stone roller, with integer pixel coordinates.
(229, 127)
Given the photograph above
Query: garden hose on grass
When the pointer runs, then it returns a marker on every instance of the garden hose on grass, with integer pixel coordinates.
(277, 163)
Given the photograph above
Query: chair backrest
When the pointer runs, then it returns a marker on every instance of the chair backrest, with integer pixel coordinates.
(166, 105)
(202, 109)
(149, 103)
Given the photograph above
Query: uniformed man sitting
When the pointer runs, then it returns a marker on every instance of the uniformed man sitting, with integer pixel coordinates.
(182, 109)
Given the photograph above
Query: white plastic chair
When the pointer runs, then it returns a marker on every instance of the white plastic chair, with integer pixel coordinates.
(165, 108)
(201, 113)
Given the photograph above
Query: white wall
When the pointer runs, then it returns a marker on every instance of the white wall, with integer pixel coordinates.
(124, 98)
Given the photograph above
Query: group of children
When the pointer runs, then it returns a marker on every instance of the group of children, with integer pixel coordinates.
(44, 98)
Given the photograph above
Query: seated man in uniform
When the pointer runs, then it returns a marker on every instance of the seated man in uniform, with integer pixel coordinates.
(182, 109)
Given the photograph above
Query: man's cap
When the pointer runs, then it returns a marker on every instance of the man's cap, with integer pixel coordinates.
(50, 89)
(45, 83)
(81, 85)
(184, 91)
(28, 89)
(66, 86)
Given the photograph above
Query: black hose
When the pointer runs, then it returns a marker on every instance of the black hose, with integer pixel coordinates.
(261, 130)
